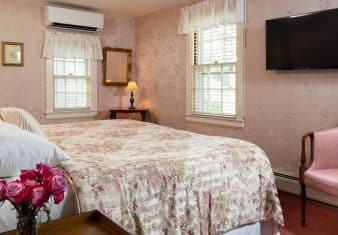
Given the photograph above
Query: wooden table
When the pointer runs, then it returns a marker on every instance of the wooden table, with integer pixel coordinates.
(115, 111)
(89, 223)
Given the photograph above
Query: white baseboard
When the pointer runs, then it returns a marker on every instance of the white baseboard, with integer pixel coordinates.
(291, 185)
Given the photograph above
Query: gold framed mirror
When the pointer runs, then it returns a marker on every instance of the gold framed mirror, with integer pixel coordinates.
(117, 63)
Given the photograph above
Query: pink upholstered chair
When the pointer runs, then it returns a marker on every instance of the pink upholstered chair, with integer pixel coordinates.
(321, 172)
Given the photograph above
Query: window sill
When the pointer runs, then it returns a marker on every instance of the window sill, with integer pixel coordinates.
(222, 121)
(71, 114)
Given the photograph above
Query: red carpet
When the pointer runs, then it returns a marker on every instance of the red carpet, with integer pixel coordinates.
(320, 218)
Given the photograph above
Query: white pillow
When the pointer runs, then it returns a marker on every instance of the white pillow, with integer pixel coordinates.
(20, 149)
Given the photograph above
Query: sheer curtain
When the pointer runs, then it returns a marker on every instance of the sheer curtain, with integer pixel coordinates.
(72, 46)
(209, 13)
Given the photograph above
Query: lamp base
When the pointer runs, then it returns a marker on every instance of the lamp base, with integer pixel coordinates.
(132, 101)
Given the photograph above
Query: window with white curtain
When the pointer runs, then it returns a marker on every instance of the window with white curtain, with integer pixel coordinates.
(71, 84)
(71, 68)
(215, 81)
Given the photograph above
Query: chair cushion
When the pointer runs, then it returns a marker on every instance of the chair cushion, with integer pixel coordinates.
(325, 180)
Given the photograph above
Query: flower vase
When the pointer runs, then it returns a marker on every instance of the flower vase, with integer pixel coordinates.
(28, 222)
(30, 194)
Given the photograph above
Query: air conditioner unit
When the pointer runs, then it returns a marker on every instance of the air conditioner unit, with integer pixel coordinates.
(65, 18)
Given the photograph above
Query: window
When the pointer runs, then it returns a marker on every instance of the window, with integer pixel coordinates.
(71, 84)
(215, 79)
(71, 88)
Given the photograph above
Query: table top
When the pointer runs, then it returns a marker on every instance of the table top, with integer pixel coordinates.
(122, 109)
(88, 223)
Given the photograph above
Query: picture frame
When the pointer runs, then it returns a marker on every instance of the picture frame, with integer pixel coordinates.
(12, 53)
(117, 66)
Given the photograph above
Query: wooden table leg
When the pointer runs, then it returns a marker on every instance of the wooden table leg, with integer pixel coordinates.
(143, 114)
(112, 115)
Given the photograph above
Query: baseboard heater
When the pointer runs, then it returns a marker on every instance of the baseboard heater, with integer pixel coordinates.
(290, 184)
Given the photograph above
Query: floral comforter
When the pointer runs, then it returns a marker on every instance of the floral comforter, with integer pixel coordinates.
(152, 179)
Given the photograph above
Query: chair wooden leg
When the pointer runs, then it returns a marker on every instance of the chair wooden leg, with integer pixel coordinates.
(303, 201)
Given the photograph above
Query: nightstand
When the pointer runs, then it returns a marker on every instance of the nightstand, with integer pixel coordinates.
(141, 111)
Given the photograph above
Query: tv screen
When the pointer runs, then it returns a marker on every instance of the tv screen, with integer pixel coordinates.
(308, 41)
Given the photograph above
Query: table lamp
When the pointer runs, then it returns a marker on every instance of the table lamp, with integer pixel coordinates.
(132, 86)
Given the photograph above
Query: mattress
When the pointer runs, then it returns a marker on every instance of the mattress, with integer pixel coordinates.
(66, 208)
(152, 179)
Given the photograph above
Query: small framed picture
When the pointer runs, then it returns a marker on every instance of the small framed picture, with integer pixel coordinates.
(12, 53)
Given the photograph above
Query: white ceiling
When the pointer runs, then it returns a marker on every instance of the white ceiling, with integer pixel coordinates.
(125, 7)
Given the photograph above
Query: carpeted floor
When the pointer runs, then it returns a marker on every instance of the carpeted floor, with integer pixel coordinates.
(320, 218)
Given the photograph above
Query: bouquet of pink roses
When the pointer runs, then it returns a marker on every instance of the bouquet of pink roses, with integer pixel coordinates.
(31, 193)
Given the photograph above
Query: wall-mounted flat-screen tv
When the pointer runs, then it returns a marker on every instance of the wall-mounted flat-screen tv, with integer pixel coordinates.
(307, 41)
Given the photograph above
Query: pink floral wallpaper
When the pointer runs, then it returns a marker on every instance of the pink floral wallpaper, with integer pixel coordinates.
(25, 87)
(280, 106)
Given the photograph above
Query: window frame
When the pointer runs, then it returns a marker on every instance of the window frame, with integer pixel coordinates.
(91, 111)
(238, 120)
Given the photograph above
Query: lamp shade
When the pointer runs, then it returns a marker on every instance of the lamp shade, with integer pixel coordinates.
(132, 86)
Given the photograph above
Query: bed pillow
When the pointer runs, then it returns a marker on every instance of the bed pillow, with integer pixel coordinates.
(20, 149)
(22, 119)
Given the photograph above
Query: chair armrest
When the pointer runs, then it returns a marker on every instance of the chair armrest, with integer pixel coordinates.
(303, 165)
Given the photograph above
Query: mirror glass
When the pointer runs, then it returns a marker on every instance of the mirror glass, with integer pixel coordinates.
(116, 66)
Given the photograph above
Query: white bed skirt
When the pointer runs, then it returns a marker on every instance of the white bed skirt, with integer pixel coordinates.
(259, 228)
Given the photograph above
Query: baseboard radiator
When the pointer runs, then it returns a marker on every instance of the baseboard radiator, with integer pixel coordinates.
(290, 184)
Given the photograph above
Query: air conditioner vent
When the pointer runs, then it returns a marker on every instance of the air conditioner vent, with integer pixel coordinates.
(74, 27)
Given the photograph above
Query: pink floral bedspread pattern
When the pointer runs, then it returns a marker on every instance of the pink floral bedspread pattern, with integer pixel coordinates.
(153, 179)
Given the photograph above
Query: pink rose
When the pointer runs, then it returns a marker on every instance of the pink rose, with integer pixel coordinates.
(15, 191)
(3, 186)
(30, 184)
(58, 198)
(58, 185)
(43, 170)
(38, 196)
(29, 178)
(42, 167)
(28, 175)
(53, 172)
(47, 172)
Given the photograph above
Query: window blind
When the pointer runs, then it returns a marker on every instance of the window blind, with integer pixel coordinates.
(214, 71)
(71, 83)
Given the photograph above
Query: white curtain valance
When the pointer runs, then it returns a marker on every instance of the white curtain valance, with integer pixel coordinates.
(75, 46)
(210, 13)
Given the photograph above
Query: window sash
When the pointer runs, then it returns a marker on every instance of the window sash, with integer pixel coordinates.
(73, 98)
(215, 93)
(76, 62)
(215, 45)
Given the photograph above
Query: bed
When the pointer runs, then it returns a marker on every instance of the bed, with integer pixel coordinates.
(152, 179)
